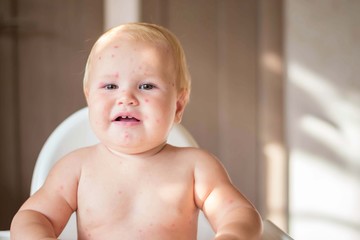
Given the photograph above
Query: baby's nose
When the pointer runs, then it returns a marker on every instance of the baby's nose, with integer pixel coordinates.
(127, 98)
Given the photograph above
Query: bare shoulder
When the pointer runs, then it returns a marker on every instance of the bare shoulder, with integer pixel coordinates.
(201, 160)
(73, 161)
(194, 154)
(67, 171)
(209, 175)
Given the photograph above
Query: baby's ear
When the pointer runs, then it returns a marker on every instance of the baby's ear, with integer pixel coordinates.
(86, 93)
(180, 105)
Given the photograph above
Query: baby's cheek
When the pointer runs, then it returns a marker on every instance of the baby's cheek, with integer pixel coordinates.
(154, 120)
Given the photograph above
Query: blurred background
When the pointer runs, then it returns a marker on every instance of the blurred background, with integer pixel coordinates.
(276, 96)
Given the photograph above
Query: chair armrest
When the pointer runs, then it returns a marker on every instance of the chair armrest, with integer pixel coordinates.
(273, 232)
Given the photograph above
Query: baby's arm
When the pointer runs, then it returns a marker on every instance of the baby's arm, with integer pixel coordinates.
(228, 211)
(45, 214)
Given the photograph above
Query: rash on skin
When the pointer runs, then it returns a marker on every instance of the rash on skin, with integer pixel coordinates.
(116, 75)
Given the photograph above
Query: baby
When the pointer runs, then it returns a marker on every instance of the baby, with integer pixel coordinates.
(133, 185)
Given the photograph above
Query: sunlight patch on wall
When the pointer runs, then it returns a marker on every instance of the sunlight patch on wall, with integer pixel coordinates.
(276, 201)
(324, 159)
(325, 195)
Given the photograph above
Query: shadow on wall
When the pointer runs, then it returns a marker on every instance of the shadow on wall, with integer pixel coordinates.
(7, 206)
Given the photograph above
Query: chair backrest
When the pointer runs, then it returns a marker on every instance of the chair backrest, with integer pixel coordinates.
(75, 132)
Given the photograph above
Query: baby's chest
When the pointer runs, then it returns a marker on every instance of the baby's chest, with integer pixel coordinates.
(149, 198)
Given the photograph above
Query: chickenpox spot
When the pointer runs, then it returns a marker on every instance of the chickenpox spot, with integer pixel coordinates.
(120, 192)
(112, 55)
(61, 187)
(230, 201)
(116, 46)
(146, 100)
(116, 75)
(100, 58)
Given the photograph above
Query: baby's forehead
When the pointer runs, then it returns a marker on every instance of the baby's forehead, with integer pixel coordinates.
(112, 51)
(113, 41)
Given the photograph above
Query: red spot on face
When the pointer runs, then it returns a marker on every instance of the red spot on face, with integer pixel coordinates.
(231, 201)
(116, 75)
(116, 46)
(99, 58)
(147, 100)
(112, 55)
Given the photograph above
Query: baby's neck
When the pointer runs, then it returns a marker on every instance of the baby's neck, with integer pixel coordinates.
(142, 155)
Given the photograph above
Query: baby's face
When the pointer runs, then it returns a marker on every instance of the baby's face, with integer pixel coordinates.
(132, 95)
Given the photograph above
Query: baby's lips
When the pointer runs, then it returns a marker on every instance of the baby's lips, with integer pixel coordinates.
(126, 119)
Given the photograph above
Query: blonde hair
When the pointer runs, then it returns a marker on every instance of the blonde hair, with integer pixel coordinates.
(156, 34)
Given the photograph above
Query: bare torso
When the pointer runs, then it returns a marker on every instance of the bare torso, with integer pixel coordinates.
(150, 198)
(155, 195)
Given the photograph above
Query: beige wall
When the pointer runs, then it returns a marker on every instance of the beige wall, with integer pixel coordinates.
(323, 118)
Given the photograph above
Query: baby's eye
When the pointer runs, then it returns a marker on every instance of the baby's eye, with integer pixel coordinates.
(111, 86)
(146, 86)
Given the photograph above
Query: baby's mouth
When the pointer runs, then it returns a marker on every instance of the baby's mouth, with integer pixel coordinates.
(126, 119)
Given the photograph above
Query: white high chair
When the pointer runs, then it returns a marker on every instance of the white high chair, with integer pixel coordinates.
(74, 132)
